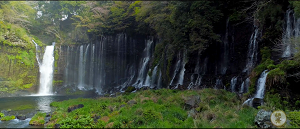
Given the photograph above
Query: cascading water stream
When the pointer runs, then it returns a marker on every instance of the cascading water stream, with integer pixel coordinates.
(260, 89)
(233, 83)
(252, 51)
(46, 71)
(291, 32)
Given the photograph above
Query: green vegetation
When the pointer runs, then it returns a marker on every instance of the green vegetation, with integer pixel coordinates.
(7, 118)
(1, 114)
(38, 119)
(155, 109)
(23, 107)
(295, 118)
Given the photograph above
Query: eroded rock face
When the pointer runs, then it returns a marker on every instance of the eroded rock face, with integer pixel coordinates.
(71, 108)
(262, 119)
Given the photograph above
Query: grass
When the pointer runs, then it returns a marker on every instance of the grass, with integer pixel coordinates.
(163, 108)
(23, 107)
(38, 119)
(7, 118)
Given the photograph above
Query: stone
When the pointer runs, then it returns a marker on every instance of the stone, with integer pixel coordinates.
(21, 117)
(257, 102)
(192, 113)
(71, 108)
(192, 102)
(123, 105)
(131, 102)
(263, 120)
(57, 126)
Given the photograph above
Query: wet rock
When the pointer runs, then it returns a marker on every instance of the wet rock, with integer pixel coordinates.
(130, 89)
(257, 102)
(192, 102)
(262, 119)
(71, 108)
(57, 126)
(131, 102)
(21, 117)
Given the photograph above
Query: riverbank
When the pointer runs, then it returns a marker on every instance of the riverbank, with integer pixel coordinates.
(156, 109)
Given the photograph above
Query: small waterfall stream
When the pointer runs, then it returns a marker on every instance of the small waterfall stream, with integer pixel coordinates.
(291, 32)
(260, 88)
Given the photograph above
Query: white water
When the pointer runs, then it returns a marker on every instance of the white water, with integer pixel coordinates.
(233, 83)
(252, 51)
(37, 47)
(260, 88)
(46, 71)
(261, 85)
(81, 69)
(291, 32)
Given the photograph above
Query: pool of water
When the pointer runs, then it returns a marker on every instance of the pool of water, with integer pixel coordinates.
(40, 103)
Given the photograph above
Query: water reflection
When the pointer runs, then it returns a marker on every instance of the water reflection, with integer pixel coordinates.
(43, 103)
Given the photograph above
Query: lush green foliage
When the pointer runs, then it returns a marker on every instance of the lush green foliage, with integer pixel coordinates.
(7, 118)
(1, 114)
(38, 119)
(155, 109)
(295, 118)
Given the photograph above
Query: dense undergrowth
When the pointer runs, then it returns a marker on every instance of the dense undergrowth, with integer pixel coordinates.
(155, 108)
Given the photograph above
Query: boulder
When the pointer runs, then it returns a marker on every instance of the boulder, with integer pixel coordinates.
(192, 102)
(257, 102)
(56, 126)
(263, 120)
(21, 117)
(131, 102)
(192, 113)
(71, 108)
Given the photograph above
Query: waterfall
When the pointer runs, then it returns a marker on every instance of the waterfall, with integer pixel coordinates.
(260, 88)
(233, 83)
(291, 32)
(37, 48)
(225, 51)
(261, 85)
(81, 69)
(110, 63)
(252, 51)
(46, 71)
(218, 83)
(181, 73)
(143, 77)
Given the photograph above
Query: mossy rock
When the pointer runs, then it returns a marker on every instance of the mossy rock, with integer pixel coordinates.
(130, 89)
(38, 119)
(8, 118)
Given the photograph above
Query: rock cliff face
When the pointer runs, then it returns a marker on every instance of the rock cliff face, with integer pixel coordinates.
(113, 63)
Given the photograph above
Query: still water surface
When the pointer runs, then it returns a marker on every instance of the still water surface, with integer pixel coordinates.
(41, 103)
